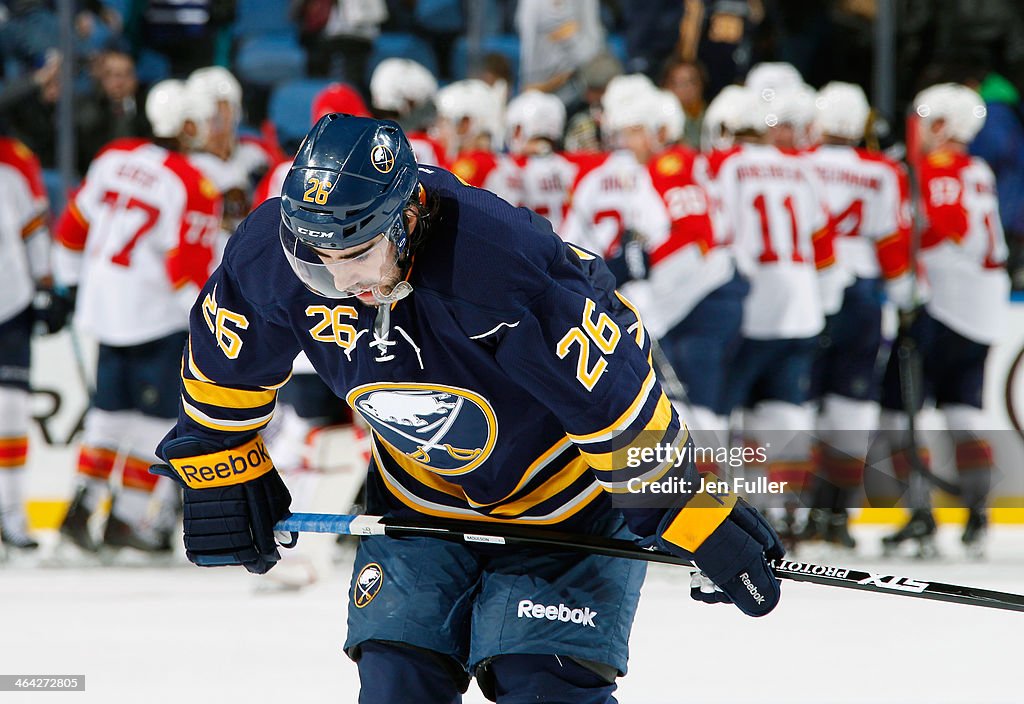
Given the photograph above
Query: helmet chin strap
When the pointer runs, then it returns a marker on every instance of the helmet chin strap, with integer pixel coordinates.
(400, 291)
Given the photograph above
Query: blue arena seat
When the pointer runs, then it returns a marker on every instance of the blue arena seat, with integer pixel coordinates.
(290, 104)
(617, 46)
(151, 67)
(269, 59)
(401, 45)
(255, 17)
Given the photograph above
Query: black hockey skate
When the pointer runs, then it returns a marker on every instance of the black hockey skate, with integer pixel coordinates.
(829, 526)
(76, 524)
(120, 534)
(18, 540)
(920, 529)
(974, 533)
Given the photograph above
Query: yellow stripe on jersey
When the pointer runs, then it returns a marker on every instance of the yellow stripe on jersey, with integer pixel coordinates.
(651, 433)
(193, 369)
(34, 224)
(584, 256)
(699, 518)
(228, 426)
(226, 397)
(423, 476)
(550, 488)
(431, 508)
(531, 471)
(640, 333)
(624, 420)
(558, 483)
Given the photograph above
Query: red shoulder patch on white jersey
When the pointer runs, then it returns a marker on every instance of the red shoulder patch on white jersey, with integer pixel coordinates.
(18, 156)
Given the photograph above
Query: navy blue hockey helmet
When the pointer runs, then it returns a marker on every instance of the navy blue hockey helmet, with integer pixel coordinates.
(349, 183)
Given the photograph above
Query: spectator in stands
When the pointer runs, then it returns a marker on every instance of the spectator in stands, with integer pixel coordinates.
(652, 33)
(32, 119)
(583, 129)
(440, 22)
(186, 31)
(686, 80)
(29, 31)
(494, 67)
(719, 33)
(338, 36)
(556, 40)
(27, 85)
(111, 109)
(1001, 143)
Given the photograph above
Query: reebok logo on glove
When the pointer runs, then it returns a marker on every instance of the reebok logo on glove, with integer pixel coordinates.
(745, 578)
(563, 613)
(234, 466)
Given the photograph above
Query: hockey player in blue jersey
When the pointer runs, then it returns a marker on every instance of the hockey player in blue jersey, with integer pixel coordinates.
(504, 380)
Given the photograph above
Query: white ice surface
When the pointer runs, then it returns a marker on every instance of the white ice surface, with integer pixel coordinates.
(190, 635)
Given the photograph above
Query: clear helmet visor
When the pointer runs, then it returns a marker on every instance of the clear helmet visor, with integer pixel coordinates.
(374, 271)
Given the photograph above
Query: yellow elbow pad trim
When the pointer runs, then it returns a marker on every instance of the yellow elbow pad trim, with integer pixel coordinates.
(234, 466)
(699, 519)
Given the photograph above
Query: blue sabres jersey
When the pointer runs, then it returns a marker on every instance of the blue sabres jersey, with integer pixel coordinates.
(513, 384)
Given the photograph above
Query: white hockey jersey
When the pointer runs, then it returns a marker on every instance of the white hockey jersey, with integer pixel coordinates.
(548, 179)
(963, 248)
(24, 227)
(779, 229)
(138, 240)
(664, 204)
(867, 198)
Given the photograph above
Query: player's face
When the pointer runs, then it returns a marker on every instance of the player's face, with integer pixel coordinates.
(639, 141)
(362, 269)
(368, 271)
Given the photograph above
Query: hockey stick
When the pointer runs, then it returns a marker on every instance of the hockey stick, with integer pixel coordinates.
(908, 358)
(525, 536)
(909, 362)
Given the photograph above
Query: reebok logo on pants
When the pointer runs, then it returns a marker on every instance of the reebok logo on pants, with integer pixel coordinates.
(563, 613)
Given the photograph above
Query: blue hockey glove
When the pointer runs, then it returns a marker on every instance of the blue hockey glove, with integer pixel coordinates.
(734, 557)
(233, 498)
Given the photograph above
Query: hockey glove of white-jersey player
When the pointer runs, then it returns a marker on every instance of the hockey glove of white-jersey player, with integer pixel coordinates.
(734, 558)
(233, 499)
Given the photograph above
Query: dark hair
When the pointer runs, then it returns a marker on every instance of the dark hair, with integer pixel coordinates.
(675, 61)
(426, 206)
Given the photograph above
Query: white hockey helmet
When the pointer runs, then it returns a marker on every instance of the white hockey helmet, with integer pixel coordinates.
(534, 114)
(961, 108)
(842, 111)
(165, 108)
(769, 76)
(669, 118)
(791, 105)
(722, 116)
(400, 85)
(627, 103)
(481, 104)
(219, 83)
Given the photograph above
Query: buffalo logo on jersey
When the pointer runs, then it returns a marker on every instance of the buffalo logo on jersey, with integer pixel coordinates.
(366, 584)
(382, 158)
(444, 429)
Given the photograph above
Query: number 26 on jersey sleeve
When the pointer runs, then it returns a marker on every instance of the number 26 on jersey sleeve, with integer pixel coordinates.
(602, 332)
(217, 319)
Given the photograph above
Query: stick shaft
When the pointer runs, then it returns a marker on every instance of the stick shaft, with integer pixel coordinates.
(525, 536)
